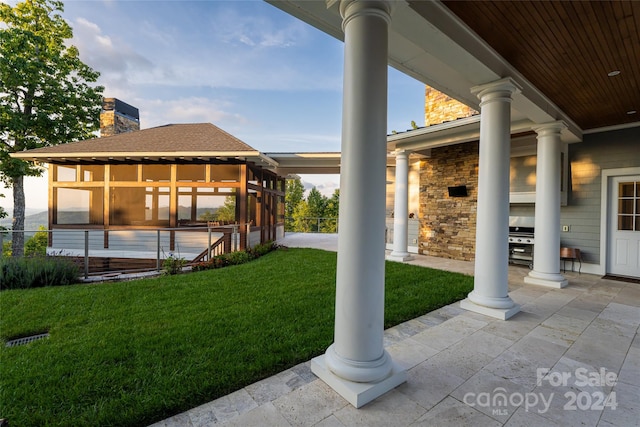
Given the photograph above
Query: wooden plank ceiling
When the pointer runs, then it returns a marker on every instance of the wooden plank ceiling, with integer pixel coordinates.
(566, 49)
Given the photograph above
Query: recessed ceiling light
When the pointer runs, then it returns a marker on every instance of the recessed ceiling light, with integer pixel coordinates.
(613, 73)
(631, 112)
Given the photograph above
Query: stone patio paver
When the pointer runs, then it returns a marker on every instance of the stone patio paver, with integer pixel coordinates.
(456, 358)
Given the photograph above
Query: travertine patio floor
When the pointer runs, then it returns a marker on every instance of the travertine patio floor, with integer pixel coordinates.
(468, 369)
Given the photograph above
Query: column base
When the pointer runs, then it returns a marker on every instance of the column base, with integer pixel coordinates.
(498, 313)
(399, 256)
(545, 279)
(358, 394)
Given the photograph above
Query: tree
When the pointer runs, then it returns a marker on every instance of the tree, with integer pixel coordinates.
(294, 195)
(45, 93)
(301, 221)
(331, 210)
(3, 213)
(227, 212)
(316, 202)
(37, 244)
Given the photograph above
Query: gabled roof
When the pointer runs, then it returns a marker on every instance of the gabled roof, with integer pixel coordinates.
(176, 139)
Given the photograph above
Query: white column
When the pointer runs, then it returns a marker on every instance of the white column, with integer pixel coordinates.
(401, 209)
(490, 295)
(546, 251)
(356, 364)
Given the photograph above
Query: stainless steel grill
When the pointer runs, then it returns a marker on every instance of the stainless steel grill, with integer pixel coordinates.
(521, 241)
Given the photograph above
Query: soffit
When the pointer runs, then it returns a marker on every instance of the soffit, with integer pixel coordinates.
(566, 49)
(429, 42)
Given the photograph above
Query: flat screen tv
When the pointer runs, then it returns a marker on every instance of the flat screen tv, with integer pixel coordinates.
(459, 191)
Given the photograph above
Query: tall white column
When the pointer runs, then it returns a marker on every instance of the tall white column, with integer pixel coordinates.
(356, 364)
(490, 295)
(546, 251)
(401, 209)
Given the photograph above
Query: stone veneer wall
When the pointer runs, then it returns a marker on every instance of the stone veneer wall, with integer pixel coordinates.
(448, 224)
(440, 108)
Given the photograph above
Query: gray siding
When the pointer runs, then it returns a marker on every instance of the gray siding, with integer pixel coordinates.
(413, 231)
(523, 174)
(609, 150)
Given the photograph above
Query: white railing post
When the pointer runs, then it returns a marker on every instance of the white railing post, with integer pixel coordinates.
(158, 250)
(209, 243)
(86, 254)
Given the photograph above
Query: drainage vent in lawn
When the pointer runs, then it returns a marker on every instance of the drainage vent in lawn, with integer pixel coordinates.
(26, 340)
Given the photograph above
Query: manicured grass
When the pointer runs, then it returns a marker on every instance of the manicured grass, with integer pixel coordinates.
(133, 353)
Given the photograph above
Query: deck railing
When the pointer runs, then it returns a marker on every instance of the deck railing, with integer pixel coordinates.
(115, 251)
(312, 225)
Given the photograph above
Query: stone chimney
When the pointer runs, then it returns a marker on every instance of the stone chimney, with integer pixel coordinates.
(440, 108)
(118, 117)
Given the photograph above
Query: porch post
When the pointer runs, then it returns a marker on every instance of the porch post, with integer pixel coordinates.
(546, 251)
(356, 364)
(490, 295)
(401, 209)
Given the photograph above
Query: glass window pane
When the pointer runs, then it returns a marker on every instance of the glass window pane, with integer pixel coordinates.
(216, 208)
(626, 189)
(637, 222)
(190, 173)
(156, 173)
(252, 206)
(92, 173)
(225, 173)
(127, 206)
(65, 173)
(124, 172)
(625, 222)
(638, 189)
(184, 208)
(79, 205)
(625, 206)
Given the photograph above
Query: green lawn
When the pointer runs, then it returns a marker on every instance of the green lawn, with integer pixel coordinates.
(133, 353)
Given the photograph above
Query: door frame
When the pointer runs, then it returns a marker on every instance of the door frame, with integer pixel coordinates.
(605, 214)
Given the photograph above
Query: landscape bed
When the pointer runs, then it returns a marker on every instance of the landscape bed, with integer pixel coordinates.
(133, 353)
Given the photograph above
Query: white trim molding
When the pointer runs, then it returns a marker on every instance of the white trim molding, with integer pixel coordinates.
(604, 209)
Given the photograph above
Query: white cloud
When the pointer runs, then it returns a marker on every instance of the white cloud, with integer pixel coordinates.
(159, 112)
(325, 184)
(117, 62)
(233, 27)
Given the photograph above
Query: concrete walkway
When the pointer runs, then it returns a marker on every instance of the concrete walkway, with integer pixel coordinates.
(571, 357)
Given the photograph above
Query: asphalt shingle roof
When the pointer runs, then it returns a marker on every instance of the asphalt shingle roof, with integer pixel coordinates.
(196, 137)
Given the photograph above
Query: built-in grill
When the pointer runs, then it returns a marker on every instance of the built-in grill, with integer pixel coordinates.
(521, 240)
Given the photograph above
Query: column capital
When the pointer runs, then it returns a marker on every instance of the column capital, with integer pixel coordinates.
(350, 9)
(499, 89)
(401, 152)
(550, 128)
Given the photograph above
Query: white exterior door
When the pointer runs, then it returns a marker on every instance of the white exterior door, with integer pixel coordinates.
(624, 226)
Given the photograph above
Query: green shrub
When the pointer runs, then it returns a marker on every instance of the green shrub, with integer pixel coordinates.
(236, 258)
(262, 249)
(173, 264)
(36, 272)
(36, 245)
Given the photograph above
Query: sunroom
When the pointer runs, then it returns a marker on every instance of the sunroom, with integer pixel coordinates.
(178, 189)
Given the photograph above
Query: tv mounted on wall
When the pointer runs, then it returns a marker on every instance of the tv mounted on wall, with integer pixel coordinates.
(459, 191)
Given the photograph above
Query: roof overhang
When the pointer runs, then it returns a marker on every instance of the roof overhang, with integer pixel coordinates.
(442, 52)
(101, 157)
(306, 163)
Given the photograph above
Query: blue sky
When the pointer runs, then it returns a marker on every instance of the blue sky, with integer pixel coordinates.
(260, 74)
